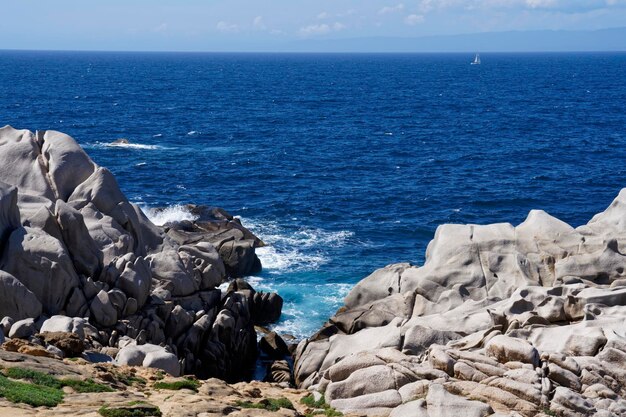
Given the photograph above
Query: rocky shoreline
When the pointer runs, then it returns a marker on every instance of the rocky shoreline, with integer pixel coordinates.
(78, 258)
(501, 320)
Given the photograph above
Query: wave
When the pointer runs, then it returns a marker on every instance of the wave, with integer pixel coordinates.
(133, 146)
(109, 145)
(285, 259)
(301, 315)
(301, 250)
(302, 318)
(168, 214)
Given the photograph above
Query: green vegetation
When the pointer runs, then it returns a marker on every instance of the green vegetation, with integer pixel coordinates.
(309, 401)
(46, 380)
(130, 379)
(138, 409)
(269, 404)
(31, 394)
(191, 384)
(322, 409)
(41, 389)
(87, 385)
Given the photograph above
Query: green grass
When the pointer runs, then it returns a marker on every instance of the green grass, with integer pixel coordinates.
(191, 384)
(130, 380)
(46, 380)
(87, 385)
(323, 409)
(269, 404)
(132, 410)
(31, 394)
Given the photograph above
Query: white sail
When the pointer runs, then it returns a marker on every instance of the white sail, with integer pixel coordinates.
(476, 60)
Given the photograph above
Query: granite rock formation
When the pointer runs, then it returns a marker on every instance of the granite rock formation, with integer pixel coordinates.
(76, 256)
(500, 320)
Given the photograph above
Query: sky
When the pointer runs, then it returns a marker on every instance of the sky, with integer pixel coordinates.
(255, 25)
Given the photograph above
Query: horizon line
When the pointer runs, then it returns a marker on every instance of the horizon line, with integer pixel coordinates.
(283, 52)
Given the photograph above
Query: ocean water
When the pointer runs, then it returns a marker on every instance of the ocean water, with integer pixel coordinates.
(341, 163)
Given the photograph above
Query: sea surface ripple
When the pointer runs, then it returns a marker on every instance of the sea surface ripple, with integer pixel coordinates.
(341, 163)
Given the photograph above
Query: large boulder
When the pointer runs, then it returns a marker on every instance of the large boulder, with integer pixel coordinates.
(43, 265)
(9, 212)
(151, 356)
(511, 319)
(73, 247)
(17, 301)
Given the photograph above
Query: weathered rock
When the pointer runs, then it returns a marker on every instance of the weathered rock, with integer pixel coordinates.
(69, 343)
(151, 356)
(505, 349)
(566, 401)
(441, 403)
(135, 280)
(16, 300)
(42, 264)
(102, 310)
(71, 243)
(6, 323)
(178, 322)
(64, 324)
(368, 403)
(418, 339)
(279, 371)
(274, 346)
(9, 212)
(266, 307)
(369, 380)
(85, 254)
(23, 329)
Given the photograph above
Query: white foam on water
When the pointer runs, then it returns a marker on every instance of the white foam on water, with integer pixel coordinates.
(300, 250)
(112, 145)
(192, 133)
(302, 320)
(168, 214)
(133, 146)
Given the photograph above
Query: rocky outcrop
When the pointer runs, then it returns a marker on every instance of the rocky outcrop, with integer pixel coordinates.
(234, 243)
(516, 320)
(77, 257)
(128, 390)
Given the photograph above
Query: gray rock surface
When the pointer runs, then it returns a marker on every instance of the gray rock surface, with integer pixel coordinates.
(76, 257)
(151, 356)
(499, 319)
(23, 329)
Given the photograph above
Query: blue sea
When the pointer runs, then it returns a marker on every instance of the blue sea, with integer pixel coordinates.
(341, 163)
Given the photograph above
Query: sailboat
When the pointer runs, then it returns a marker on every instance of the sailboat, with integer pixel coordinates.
(476, 60)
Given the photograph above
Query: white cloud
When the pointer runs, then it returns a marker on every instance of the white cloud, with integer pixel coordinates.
(391, 9)
(413, 19)
(258, 23)
(321, 29)
(323, 15)
(226, 27)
